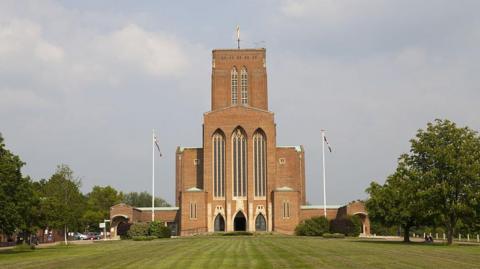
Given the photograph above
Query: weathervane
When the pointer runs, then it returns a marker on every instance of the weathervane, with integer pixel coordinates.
(238, 37)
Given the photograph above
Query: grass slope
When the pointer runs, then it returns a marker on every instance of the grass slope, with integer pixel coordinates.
(246, 252)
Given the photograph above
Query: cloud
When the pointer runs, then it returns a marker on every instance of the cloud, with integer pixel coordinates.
(155, 53)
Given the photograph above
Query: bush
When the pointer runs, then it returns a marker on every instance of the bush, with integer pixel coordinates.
(24, 247)
(159, 230)
(335, 235)
(143, 238)
(349, 226)
(237, 233)
(138, 229)
(315, 226)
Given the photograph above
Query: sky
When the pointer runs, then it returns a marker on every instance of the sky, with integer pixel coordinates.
(83, 83)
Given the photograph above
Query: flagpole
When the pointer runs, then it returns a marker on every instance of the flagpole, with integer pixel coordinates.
(153, 174)
(324, 185)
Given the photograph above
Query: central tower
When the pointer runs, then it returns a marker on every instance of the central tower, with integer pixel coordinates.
(239, 77)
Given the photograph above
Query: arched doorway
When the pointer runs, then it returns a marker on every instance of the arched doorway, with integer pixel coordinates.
(219, 224)
(260, 223)
(240, 222)
(365, 222)
(119, 226)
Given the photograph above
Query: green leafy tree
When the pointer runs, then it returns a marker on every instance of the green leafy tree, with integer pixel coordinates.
(16, 194)
(398, 201)
(62, 204)
(142, 199)
(99, 201)
(447, 159)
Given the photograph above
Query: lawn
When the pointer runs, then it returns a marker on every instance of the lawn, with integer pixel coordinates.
(246, 252)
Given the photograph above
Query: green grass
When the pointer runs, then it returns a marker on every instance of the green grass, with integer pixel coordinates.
(246, 252)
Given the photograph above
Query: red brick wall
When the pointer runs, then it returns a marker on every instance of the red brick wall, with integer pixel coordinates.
(190, 226)
(291, 172)
(188, 174)
(281, 224)
(310, 213)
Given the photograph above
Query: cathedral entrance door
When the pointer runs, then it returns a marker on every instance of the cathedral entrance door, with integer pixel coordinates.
(240, 222)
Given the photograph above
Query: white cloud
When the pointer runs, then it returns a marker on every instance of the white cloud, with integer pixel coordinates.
(22, 40)
(156, 53)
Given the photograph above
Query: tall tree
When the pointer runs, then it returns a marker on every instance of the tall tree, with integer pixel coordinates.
(447, 159)
(142, 199)
(398, 201)
(16, 193)
(99, 201)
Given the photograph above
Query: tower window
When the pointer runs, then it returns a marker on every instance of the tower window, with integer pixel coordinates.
(218, 165)
(244, 85)
(234, 85)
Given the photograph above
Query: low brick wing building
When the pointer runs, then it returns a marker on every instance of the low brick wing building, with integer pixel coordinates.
(240, 179)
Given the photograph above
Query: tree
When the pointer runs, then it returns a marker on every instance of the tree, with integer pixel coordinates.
(62, 204)
(16, 193)
(447, 159)
(99, 201)
(142, 199)
(398, 201)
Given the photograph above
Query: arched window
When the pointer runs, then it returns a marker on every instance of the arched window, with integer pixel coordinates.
(234, 85)
(218, 165)
(260, 223)
(260, 163)
(244, 85)
(239, 162)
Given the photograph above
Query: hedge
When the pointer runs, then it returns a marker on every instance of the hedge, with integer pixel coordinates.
(315, 226)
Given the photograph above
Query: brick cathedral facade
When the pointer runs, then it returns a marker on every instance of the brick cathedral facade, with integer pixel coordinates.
(240, 179)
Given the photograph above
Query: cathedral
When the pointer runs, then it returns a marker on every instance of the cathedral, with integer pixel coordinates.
(240, 179)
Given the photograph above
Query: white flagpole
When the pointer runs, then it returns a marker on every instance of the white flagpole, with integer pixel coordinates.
(153, 175)
(324, 185)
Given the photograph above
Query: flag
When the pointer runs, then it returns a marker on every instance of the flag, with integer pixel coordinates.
(328, 145)
(238, 32)
(156, 144)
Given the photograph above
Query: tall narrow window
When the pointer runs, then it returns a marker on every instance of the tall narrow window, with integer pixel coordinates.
(239, 162)
(234, 85)
(244, 85)
(286, 209)
(260, 163)
(218, 165)
(193, 210)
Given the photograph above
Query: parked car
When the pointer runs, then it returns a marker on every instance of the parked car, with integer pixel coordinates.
(79, 236)
(93, 236)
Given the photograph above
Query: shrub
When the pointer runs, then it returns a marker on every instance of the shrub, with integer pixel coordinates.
(315, 226)
(138, 229)
(237, 233)
(334, 235)
(159, 230)
(24, 247)
(143, 238)
(349, 226)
